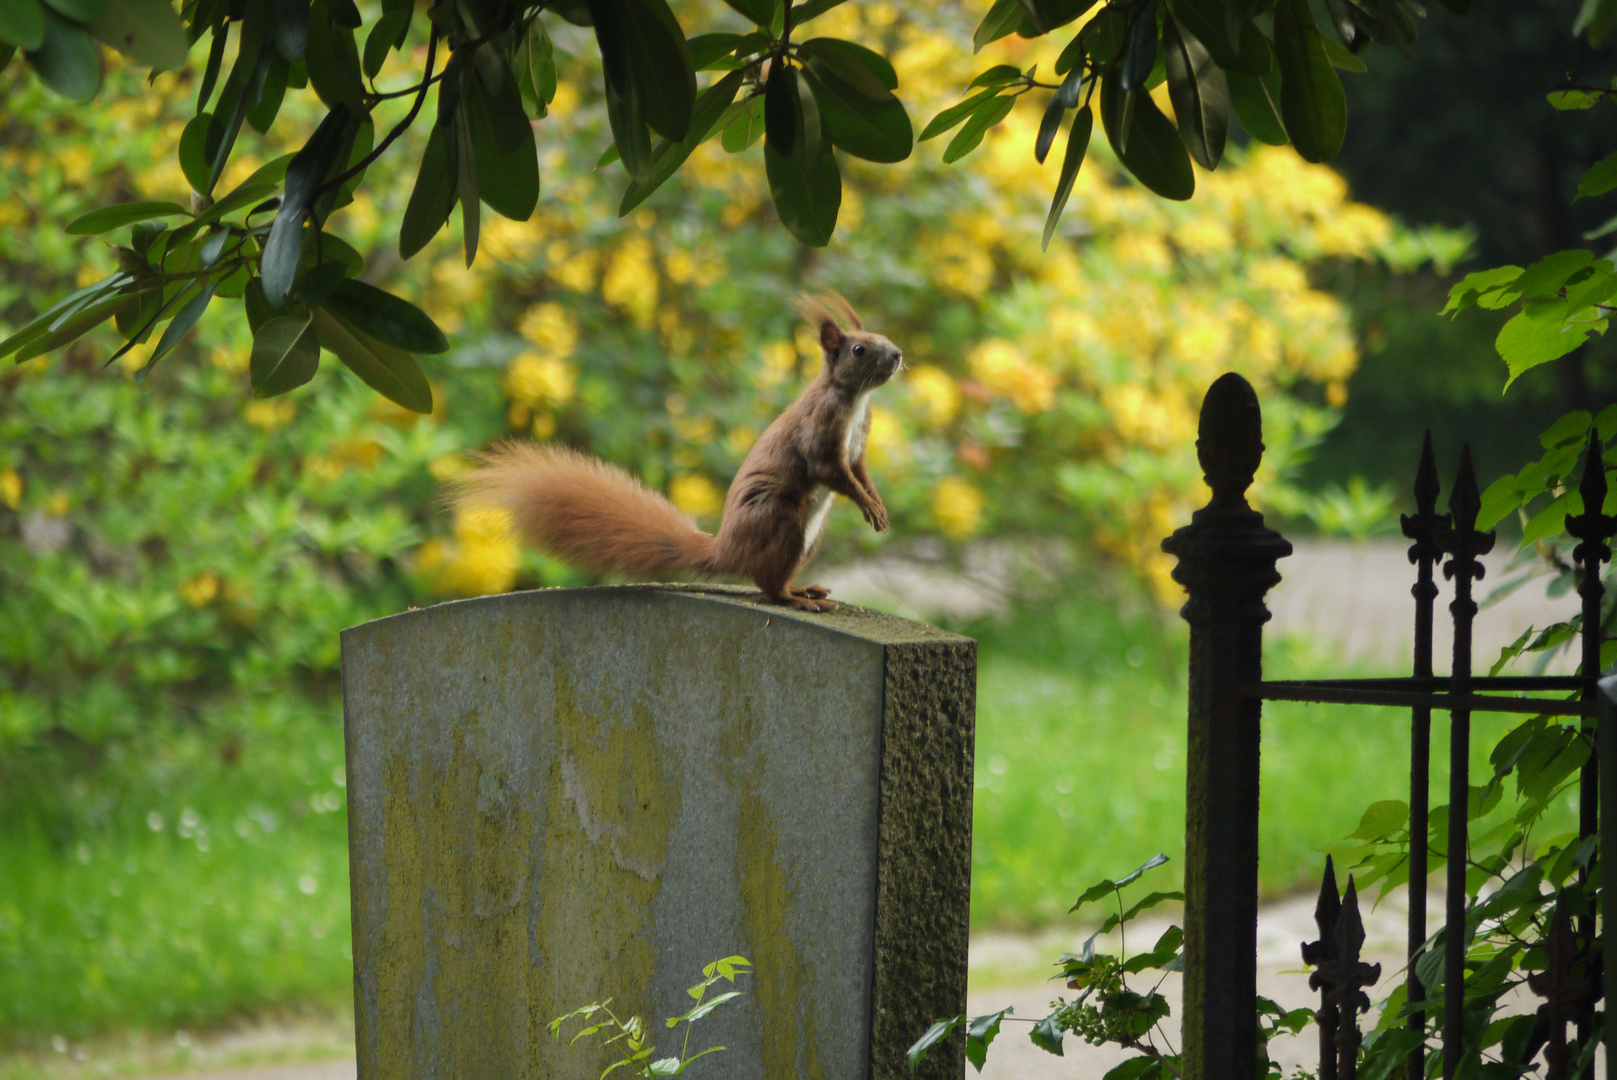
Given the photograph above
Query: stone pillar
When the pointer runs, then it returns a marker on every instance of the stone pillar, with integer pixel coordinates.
(561, 796)
(1226, 563)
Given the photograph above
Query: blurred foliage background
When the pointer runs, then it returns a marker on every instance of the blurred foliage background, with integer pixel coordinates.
(176, 558)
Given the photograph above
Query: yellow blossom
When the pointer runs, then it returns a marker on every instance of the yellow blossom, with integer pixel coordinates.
(484, 559)
(270, 414)
(551, 328)
(448, 465)
(957, 507)
(574, 271)
(201, 590)
(937, 394)
(999, 365)
(10, 488)
(739, 439)
(886, 445)
(59, 504)
(695, 494)
(533, 379)
(232, 358)
(779, 362)
(1354, 230)
(630, 281)
(1336, 394)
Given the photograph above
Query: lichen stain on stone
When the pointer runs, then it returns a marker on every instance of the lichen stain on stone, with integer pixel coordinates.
(782, 980)
(614, 799)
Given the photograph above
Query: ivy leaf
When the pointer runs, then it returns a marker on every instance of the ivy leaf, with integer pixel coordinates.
(390, 372)
(1531, 339)
(1046, 1035)
(934, 1035)
(286, 354)
(980, 1034)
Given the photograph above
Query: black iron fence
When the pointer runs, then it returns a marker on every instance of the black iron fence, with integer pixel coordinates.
(1227, 558)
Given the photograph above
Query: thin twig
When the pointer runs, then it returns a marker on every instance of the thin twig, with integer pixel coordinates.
(399, 129)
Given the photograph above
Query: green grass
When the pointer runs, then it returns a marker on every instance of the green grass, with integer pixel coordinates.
(240, 906)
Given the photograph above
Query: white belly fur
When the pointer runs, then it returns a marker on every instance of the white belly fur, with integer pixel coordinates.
(822, 501)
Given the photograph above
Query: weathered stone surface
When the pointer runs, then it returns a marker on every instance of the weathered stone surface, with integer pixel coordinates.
(561, 796)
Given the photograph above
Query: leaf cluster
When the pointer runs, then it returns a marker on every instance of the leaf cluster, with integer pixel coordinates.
(629, 1038)
(1265, 63)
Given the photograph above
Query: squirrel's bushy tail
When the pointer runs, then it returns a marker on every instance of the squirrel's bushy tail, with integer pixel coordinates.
(590, 514)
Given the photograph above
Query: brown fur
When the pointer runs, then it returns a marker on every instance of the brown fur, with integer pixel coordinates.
(597, 517)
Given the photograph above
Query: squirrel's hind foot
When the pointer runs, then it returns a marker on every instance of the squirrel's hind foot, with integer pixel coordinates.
(813, 592)
(806, 600)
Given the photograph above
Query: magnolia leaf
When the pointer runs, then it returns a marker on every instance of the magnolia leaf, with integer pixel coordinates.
(286, 354)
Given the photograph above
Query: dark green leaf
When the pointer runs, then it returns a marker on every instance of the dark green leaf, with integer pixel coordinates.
(667, 157)
(387, 318)
(1206, 21)
(308, 169)
(762, 12)
(1255, 108)
(1077, 142)
(466, 192)
(87, 319)
(433, 196)
(807, 192)
(625, 113)
(783, 111)
(813, 9)
(261, 111)
(642, 45)
(849, 59)
(286, 354)
(67, 60)
(1049, 127)
(332, 60)
(1103, 37)
(79, 11)
(875, 128)
(41, 323)
(1312, 104)
(985, 116)
(289, 22)
(184, 321)
(147, 31)
(707, 49)
(22, 23)
(390, 372)
(316, 284)
(951, 116)
(1048, 15)
(111, 217)
(255, 305)
(980, 1034)
(1201, 97)
(746, 127)
(1046, 1034)
(192, 152)
(1141, 54)
(998, 75)
(1002, 19)
(379, 41)
(1341, 58)
(1601, 178)
(934, 1035)
(502, 147)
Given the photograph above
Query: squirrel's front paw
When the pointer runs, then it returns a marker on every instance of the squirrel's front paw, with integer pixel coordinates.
(877, 516)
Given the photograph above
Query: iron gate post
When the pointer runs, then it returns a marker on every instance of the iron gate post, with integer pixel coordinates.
(1227, 562)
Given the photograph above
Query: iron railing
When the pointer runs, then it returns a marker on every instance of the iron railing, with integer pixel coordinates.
(1227, 558)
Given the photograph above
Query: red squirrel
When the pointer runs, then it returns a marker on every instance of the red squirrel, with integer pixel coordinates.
(597, 517)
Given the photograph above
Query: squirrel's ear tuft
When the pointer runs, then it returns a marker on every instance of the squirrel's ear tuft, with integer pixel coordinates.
(830, 336)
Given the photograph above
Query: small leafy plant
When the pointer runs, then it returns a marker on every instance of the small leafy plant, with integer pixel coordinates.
(632, 1043)
(1107, 1009)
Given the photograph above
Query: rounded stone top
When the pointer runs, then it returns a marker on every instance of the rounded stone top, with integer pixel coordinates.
(1229, 438)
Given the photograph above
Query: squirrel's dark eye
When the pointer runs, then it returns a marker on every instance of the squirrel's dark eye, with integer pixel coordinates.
(859, 350)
